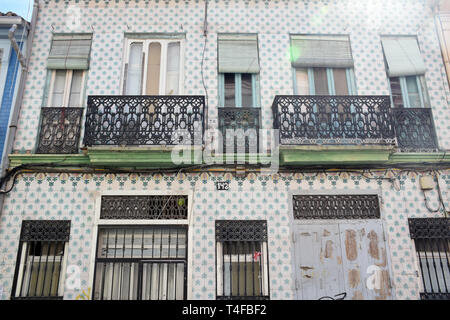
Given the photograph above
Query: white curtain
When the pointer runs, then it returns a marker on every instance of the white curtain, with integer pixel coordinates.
(173, 68)
(134, 73)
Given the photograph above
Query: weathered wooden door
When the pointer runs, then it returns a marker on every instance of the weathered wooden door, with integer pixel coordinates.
(346, 256)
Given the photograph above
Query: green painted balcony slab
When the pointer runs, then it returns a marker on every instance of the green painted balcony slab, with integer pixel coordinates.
(142, 157)
(334, 155)
(18, 159)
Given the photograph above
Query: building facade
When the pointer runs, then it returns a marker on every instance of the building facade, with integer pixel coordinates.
(354, 205)
(10, 71)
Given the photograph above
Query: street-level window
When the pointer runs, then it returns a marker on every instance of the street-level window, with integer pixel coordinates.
(432, 241)
(153, 67)
(242, 259)
(141, 263)
(41, 260)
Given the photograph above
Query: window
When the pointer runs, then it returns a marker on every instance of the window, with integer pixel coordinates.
(238, 66)
(322, 65)
(405, 69)
(65, 88)
(242, 259)
(141, 263)
(238, 90)
(432, 241)
(324, 81)
(41, 260)
(408, 92)
(153, 67)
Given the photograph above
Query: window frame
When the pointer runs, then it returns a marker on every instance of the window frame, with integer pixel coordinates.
(238, 90)
(423, 96)
(163, 63)
(21, 265)
(350, 76)
(98, 222)
(67, 88)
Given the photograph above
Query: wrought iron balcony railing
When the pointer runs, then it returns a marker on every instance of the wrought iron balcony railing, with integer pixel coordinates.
(144, 120)
(415, 130)
(242, 126)
(60, 130)
(306, 120)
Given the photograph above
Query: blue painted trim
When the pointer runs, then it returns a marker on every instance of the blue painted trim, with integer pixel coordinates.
(330, 80)
(404, 89)
(8, 96)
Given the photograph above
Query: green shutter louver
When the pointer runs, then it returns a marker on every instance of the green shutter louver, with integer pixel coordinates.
(238, 53)
(321, 51)
(403, 56)
(70, 51)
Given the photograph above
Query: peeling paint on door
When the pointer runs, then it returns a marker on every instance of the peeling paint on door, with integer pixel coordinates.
(350, 245)
(373, 244)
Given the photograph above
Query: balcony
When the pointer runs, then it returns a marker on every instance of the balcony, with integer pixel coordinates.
(333, 120)
(415, 130)
(60, 130)
(144, 120)
(232, 121)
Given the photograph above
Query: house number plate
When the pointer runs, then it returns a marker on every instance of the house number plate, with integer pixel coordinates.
(223, 185)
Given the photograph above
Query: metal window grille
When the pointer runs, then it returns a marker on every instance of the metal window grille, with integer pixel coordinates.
(432, 239)
(40, 260)
(144, 207)
(141, 263)
(336, 207)
(242, 260)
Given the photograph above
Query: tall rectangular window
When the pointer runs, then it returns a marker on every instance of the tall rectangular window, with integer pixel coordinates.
(41, 260)
(65, 89)
(432, 241)
(405, 69)
(153, 67)
(238, 67)
(242, 259)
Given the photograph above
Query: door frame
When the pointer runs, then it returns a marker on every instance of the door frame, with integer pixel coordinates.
(297, 222)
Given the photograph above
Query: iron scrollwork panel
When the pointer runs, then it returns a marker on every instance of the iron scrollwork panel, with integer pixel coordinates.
(241, 230)
(429, 228)
(336, 207)
(60, 130)
(144, 207)
(144, 120)
(333, 119)
(45, 230)
(240, 129)
(415, 129)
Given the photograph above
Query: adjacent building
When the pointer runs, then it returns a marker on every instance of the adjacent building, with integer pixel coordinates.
(230, 150)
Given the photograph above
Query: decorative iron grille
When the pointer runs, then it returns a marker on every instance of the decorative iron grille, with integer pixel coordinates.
(432, 237)
(144, 120)
(45, 230)
(40, 260)
(333, 119)
(141, 263)
(242, 260)
(60, 130)
(242, 125)
(144, 207)
(241, 230)
(336, 207)
(415, 130)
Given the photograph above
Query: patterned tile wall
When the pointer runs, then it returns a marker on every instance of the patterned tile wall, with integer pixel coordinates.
(273, 20)
(71, 196)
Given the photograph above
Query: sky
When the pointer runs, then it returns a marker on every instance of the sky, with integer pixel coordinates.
(18, 6)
